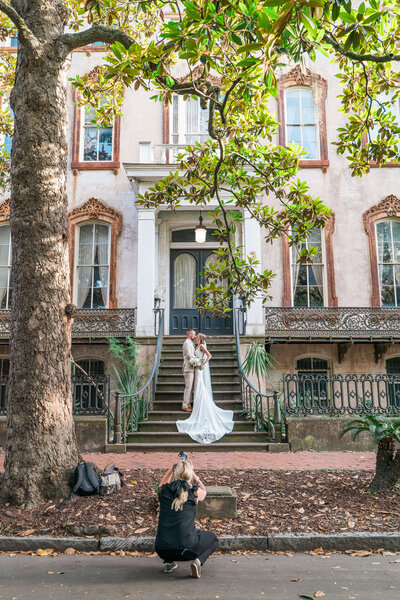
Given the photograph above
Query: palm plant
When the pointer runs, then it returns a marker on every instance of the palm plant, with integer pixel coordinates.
(127, 375)
(386, 434)
(257, 362)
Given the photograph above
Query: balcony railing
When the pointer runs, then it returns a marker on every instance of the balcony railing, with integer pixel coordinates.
(90, 323)
(341, 394)
(90, 395)
(332, 324)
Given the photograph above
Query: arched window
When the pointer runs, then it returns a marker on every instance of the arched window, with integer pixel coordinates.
(312, 385)
(393, 393)
(89, 392)
(93, 266)
(93, 233)
(5, 267)
(301, 124)
(302, 115)
(308, 277)
(388, 252)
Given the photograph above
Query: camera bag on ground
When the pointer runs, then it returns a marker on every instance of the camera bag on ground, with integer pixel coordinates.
(111, 481)
(85, 482)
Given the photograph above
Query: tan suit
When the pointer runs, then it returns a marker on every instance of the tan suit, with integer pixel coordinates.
(188, 372)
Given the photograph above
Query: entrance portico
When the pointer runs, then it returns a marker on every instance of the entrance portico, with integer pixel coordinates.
(170, 262)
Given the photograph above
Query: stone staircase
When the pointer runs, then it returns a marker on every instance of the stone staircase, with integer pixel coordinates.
(159, 433)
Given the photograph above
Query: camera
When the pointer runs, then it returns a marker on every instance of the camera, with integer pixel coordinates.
(182, 454)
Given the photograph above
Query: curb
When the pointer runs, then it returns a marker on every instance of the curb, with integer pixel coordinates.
(278, 543)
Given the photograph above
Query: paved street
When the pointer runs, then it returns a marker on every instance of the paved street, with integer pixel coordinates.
(239, 460)
(225, 577)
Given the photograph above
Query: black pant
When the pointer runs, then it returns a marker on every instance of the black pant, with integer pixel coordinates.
(206, 545)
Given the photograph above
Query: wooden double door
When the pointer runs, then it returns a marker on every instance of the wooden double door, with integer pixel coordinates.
(185, 277)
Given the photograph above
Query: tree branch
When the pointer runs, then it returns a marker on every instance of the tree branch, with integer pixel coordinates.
(96, 33)
(359, 57)
(25, 35)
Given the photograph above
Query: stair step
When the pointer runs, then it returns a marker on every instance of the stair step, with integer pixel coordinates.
(170, 378)
(180, 438)
(217, 393)
(194, 447)
(176, 363)
(217, 354)
(177, 404)
(174, 415)
(165, 426)
(217, 386)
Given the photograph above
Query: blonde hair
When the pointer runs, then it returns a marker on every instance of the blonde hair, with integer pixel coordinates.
(183, 472)
(202, 338)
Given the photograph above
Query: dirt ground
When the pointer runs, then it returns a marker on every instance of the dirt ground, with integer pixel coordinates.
(269, 502)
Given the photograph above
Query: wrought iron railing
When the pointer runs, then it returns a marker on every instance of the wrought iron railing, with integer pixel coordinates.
(264, 409)
(90, 395)
(90, 323)
(341, 394)
(335, 324)
(131, 409)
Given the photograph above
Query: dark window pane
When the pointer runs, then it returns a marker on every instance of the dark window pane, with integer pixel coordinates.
(300, 296)
(387, 296)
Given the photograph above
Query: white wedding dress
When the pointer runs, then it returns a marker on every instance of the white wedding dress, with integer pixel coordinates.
(207, 423)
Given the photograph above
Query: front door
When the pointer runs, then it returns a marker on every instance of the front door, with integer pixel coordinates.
(186, 269)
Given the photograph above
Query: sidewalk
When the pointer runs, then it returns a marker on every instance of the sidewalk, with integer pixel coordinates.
(238, 460)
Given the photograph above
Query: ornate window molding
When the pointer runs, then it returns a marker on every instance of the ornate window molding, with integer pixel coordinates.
(95, 210)
(79, 165)
(319, 86)
(388, 208)
(331, 298)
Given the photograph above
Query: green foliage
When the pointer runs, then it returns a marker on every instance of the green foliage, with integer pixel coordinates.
(126, 369)
(378, 427)
(257, 362)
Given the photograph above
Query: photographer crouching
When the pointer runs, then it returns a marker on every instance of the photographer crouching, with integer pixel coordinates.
(177, 537)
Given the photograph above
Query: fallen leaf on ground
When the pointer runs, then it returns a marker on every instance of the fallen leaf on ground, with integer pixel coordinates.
(319, 594)
(69, 551)
(307, 596)
(143, 529)
(296, 579)
(27, 532)
(45, 552)
(318, 551)
(350, 524)
(361, 553)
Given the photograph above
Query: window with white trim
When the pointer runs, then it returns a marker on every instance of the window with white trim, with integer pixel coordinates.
(5, 267)
(301, 122)
(388, 242)
(97, 141)
(188, 122)
(308, 277)
(92, 280)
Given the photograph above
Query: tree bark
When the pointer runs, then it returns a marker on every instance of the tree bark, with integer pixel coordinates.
(387, 472)
(41, 449)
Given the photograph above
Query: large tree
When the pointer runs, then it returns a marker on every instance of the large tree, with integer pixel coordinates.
(242, 42)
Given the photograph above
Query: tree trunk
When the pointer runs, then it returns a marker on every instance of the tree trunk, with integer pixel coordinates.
(387, 471)
(41, 449)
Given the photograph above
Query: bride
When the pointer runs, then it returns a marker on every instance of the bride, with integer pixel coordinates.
(207, 423)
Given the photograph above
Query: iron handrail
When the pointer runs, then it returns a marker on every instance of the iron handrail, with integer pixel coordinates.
(251, 396)
(148, 388)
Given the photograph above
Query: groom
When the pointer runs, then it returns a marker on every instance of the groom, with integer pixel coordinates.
(188, 370)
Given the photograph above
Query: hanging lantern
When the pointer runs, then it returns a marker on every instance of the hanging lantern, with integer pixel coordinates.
(200, 232)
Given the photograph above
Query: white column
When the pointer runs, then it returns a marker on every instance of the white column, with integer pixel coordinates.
(252, 246)
(146, 272)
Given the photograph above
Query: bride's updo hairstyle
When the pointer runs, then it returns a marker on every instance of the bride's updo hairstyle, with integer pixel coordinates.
(202, 338)
(183, 472)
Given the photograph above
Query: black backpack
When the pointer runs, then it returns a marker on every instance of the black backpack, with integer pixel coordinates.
(86, 481)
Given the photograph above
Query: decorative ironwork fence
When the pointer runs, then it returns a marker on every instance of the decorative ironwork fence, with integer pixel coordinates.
(90, 395)
(90, 323)
(341, 394)
(334, 324)
(264, 409)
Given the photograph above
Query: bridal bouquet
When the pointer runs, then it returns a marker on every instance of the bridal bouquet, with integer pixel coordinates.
(196, 361)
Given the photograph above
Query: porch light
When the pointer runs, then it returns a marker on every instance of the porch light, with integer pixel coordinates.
(200, 232)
